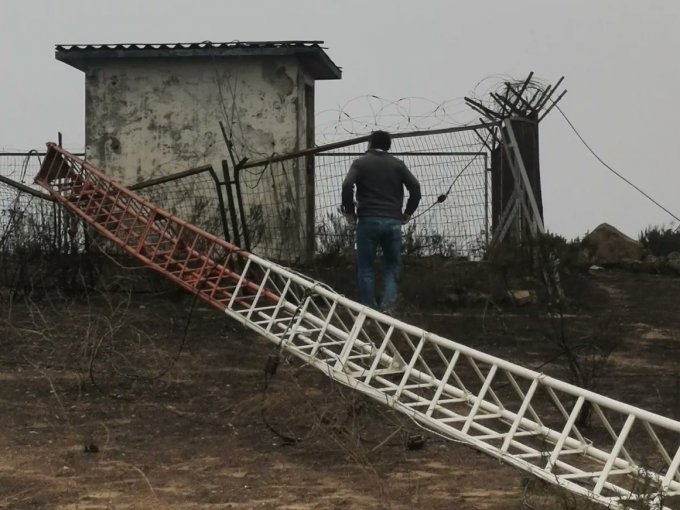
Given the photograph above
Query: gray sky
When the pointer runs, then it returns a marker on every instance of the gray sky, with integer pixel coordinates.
(619, 59)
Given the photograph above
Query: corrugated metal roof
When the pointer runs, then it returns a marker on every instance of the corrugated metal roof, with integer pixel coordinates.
(201, 45)
(311, 53)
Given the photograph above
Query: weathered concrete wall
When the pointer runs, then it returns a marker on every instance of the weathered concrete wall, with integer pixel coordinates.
(147, 118)
(155, 117)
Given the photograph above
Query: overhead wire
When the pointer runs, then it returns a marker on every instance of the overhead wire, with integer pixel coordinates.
(608, 167)
(441, 198)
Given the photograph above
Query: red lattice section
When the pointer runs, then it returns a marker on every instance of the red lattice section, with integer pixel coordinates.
(194, 259)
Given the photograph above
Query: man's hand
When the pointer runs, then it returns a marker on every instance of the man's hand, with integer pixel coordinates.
(351, 219)
(405, 218)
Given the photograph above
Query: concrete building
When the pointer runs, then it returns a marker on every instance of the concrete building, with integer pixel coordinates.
(155, 109)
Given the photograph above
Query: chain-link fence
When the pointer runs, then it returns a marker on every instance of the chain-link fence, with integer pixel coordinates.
(286, 208)
(193, 195)
(292, 203)
(41, 244)
(33, 229)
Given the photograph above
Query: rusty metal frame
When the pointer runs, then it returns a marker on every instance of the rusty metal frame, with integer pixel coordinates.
(162, 241)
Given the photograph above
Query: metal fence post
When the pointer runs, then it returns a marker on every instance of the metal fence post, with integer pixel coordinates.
(241, 209)
(310, 188)
(230, 198)
(220, 201)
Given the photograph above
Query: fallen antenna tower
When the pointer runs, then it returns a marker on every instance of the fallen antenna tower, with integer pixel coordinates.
(519, 416)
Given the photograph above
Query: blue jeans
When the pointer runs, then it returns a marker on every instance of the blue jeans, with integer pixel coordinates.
(371, 233)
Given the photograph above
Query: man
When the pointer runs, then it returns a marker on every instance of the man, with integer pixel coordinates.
(379, 179)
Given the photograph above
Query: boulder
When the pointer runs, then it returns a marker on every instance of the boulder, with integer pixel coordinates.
(473, 297)
(674, 265)
(523, 297)
(608, 246)
(452, 299)
(636, 266)
(673, 256)
(652, 264)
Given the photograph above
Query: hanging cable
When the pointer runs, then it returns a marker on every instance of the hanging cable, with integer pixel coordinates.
(614, 171)
(441, 198)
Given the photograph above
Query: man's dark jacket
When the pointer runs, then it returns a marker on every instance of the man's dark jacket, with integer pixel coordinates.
(379, 178)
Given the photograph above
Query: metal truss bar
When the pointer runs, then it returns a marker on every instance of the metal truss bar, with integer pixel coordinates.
(672, 472)
(660, 448)
(520, 414)
(442, 384)
(480, 397)
(514, 153)
(523, 396)
(610, 430)
(409, 368)
(479, 373)
(324, 327)
(568, 427)
(408, 153)
(376, 360)
(614, 454)
(508, 216)
(259, 293)
(596, 474)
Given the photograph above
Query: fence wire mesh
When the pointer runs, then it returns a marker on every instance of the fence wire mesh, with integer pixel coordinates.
(28, 217)
(35, 232)
(285, 208)
(452, 220)
(32, 226)
(193, 195)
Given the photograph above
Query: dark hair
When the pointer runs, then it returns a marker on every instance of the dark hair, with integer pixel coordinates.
(380, 140)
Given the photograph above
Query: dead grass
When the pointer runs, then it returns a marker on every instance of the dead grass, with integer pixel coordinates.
(106, 403)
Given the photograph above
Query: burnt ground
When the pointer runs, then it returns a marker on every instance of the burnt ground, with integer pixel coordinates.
(118, 400)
